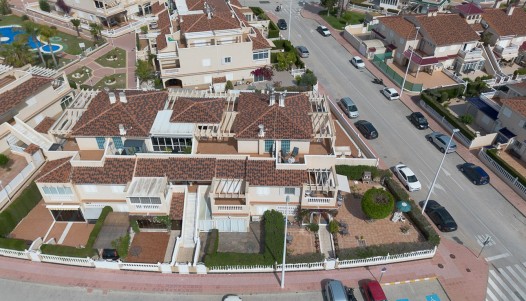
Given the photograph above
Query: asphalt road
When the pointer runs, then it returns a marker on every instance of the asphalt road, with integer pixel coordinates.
(479, 211)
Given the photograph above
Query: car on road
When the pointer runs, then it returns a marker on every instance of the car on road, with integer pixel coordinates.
(441, 141)
(335, 291)
(440, 216)
(282, 24)
(302, 51)
(358, 62)
(474, 173)
(390, 93)
(348, 107)
(418, 120)
(407, 177)
(324, 31)
(372, 291)
(367, 129)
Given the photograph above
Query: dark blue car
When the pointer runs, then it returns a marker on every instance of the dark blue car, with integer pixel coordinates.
(475, 173)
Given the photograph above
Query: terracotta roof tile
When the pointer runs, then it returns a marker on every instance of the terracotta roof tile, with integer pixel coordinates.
(519, 88)
(157, 7)
(231, 169)
(32, 148)
(259, 42)
(217, 5)
(218, 80)
(164, 24)
(517, 104)
(114, 171)
(198, 110)
(264, 173)
(177, 169)
(469, 9)
(102, 119)
(477, 27)
(45, 125)
(55, 171)
(14, 97)
(177, 206)
(201, 22)
(506, 25)
(400, 26)
(289, 122)
(161, 38)
(433, 27)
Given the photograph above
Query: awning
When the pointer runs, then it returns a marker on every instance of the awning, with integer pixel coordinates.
(63, 207)
(507, 133)
(371, 49)
(133, 143)
(343, 183)
(417, 59)
(378, 33)
(390, 47)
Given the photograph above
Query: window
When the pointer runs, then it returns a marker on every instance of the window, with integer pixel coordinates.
(290, 190)
(260, 55)
(173, 145)
(268, 145)
(118, 142)
(285, 145)
(248, 17)
(99, 4)
(145, 200)
(227, 60)
(57, 190)
(100, 142)
(65, 101)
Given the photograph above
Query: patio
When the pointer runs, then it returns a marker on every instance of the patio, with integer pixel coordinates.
(14, 167)
(243, 242)
(35, 224)
(302, 241)
(437, 79)
(148, 247)
(517, 164)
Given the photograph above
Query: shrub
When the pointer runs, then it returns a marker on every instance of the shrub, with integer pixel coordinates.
(521, 71)
(122, 244)
(98, 226)
(305, 258)
(383, 250)
(4, 160)
(398, 192)
(313, 227)
(229, 85)
(466, 119)
(13, 244)
(444, 96)
(135, 226)
(4, 7)
(259, 13)
(61, 250)
(18, 209)
(274, 234)
(273, 30)
(73, 84)
(333, 227)
(356, 172)
(144, 29)
(44, 5)
(24, 18)
(377, 203)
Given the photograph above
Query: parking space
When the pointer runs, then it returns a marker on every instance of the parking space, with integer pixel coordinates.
(428, 290)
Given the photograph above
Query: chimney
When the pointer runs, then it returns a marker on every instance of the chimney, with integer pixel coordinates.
(282, 98)
(272, 98)
(122, 130)
(261, 133)
(122, 97)
(112, 97)
(509, 10)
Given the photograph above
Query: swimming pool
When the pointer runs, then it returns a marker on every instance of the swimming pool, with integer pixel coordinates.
(8, 34)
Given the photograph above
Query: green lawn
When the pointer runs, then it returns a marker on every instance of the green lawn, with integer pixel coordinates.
(347, 18)
(70, 42)
(119, 62)
(120, 84)
(84, 76)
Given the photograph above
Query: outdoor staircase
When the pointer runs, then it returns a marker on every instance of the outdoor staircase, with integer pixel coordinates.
(188, 230)
(28, 135)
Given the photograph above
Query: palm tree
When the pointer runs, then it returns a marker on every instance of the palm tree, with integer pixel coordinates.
(76, 23)
(17, 54)
(46, 33)
(33, 30)
(95, 30)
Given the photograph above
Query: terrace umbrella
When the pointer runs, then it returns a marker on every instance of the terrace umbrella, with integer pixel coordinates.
(403, 206)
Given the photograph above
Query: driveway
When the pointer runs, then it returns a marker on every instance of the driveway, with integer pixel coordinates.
(115, 225)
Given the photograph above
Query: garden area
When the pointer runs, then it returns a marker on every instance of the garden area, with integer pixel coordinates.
(115, 81)
(115, 58)
(346, 18)
(80, 75)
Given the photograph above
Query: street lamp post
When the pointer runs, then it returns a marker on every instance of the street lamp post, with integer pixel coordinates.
(439, 168)
(6, 192)
(287, 200)
(290, 17)
(409, 63)
(384, 269)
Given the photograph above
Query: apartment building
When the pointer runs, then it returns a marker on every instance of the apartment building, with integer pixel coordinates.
(226, 157)
(435, 47)
(209, 43)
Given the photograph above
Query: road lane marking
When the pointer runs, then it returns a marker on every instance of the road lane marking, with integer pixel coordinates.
(503, 255)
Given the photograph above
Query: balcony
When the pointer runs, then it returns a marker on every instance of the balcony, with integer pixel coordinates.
(146, 207)
(111, 9)
(506, 53)
(170, 71)
(471, 55)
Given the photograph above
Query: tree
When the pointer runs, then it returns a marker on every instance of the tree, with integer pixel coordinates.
(44, 5)
(285, 60)
(4, 7)
(229, 85)
(328, 4)
(3, 160)
(143, 71)
(308, 79)
(17, 54)
(33, 30)
(377, 203)
(46, 33)
(63, 6)
(95, 30)
(76, 23)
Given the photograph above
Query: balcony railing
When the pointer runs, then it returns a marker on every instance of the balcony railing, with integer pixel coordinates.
(171, 71)
(472, 54)
(230, 208)
(314, 200)
(147, 206)
(512, 50)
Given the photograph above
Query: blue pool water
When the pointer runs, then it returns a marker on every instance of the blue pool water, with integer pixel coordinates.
(55, 48)
(8, 34)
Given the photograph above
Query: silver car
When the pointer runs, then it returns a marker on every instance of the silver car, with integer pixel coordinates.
(441, 141)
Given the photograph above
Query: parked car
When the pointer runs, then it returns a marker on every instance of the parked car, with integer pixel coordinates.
(349, 107)
(418, 120)
(372, 291)
(390, 93)
(475, 174)
(367, 129)
(110, 254)
(441, 141)
(302, 51)
(358, 62)
(324, 31)
(232, 298)
(440, 216)
(282, 24)
(335, 291)
(407, 177)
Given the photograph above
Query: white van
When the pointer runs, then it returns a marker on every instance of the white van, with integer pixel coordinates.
(349, 107)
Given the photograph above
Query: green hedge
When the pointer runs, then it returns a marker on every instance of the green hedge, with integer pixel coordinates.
(398, 192)
(98, 226)
(493, 154)
(273, 30)
(383, 250)
(122, 244)
(305, 258)
(283, 44)
(377, 203)
(19, 209)
(432, 102)
(13, 244)
(274, 234)
(355, 172)
(60, 250)
(259, 12)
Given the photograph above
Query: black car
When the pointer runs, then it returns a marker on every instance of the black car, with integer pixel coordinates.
(367, 129)
(440, 216)
(110, 254)
(418, 120)
(475, 173)
(282, 24)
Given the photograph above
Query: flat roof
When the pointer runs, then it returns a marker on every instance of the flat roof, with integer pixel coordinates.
(163, 126)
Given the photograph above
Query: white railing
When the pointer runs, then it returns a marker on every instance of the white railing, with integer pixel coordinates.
(442, 120)
(230, 208)
(352, 263)
(14, 253)
(171, 71)
(147, 207)
(15, 183)
(197, 250)
(176, 251)
(242, 269)
(148, 267)
(37, 10)
(302, 266)
(85, 262)
(314, 200)
(512, 181)
(471, 54)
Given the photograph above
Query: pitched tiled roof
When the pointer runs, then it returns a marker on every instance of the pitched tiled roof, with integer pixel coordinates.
(177, 206)
(519, 88)
(259, 42)
(161, 38)
(177, 169)
(219, 79)
(517, 104)
(477, 27)
(12, 98)
(164, 24)
(469, 9)
(198, 110)
(506, 25)
(114, 171)
(137, 115)
(157, 7)
(400, 26)
(231, 169)
(433, 26)
(32, 148)
(216, 5)
(201, 22)
(45, 125)
(289, 122)
(264, 173)
(56, 171)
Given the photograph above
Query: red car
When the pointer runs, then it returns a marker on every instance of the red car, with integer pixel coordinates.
(372, 291)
